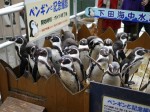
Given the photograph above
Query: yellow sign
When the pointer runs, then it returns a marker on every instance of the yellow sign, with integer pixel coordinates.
(116, 105)
(45, 16)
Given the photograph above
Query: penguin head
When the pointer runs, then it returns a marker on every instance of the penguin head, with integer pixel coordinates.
(19, 40)
(93, 41)
(7, 2)
(66, 61)
(108, 42)
(31, 49)
(55, 40)
(104, 51)
(42, 52)
(123, 37)
(83, 42)
(66, 34)
(72, 51)
(140, 52)
(114, 68)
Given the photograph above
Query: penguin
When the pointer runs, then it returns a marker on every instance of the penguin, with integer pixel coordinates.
(130, 62)
(112, 75)
(96, 70)
(95, 43)
(79, 68)
(91, 12)
(108, 43)
(118, 49)
(20, 46)
(68, 39)
(123, 37)
(31, 49)
(33, 28)
(83, 52)
(45, 66)
(56, 51)
(66, 34)
(10, 17)
(68, 74)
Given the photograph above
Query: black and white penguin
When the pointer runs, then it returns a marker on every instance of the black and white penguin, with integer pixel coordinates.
(56, 51)
(130, 62)
(68, 75)
(20, 47)
(91, 12)
(96, 70)
(31, 49)
(33, 28)
(124, 37)
(10, 17)
(95, 43)
(118, 48)
(112, 75)
(73, 52)
(108, 43)
(68, 39)
(45, 65)
(84, 52)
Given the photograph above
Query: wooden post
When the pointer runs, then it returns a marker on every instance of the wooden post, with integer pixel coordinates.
(3, 83)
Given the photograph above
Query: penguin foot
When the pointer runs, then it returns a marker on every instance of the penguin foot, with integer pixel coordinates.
(131, 82)
(127, 86)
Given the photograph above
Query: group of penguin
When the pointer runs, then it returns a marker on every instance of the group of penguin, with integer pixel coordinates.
(79, 62)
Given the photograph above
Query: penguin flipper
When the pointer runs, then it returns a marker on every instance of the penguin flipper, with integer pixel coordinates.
(35, 69)
(23, 66)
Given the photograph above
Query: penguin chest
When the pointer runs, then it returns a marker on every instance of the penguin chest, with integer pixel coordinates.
(111, 80)
(95, 53)
(104, 62)
(35, 31)
(96, 74)
(31, 62)
(85, 60)
(69, 80)
(148, 89)
(78, 70)
(43, 70)
(55, 55)
(110, 58)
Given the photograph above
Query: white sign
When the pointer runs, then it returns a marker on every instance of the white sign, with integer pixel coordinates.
(116, 105)
(45, 16)
(135, 16)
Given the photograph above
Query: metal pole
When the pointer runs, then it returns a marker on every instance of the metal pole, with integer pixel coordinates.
(96, 4)
(75, 11)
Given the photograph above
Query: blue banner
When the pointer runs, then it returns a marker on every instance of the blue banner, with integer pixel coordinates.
(115, 14)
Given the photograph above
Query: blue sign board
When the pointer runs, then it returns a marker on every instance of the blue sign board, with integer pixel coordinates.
(106, 98)
(125, 15)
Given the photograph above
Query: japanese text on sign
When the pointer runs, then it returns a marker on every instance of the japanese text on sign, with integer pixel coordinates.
(45, 16)
(47, 8)
(116, 105)
(126, 15)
